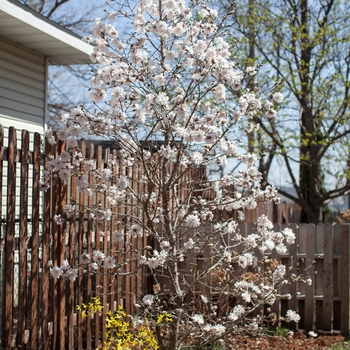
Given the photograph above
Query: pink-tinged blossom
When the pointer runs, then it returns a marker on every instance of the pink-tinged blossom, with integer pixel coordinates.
(106, 174)
(82, 182)
(44, 186)
(71, 142)
(189, 244)
(192, 221)
(220, 92)
(152, 263)
(165, 245)
(98, 256)
(56, 272)
(197, 158)
(143, 259)
(271, 113)
(58, 219)
(72, 275)
(84, 258)
(50, 137)
(111, 15)
(251, 70)
(109, 262)
(250, 203)
(69, 210)
(74, 130)
(64, 174)
(123, 182)
(136, 230)
(93, 266)
(148, 300)
(90, 164)
(62, 134)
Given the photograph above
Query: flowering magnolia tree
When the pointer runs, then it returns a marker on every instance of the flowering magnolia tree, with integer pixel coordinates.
(171, 98)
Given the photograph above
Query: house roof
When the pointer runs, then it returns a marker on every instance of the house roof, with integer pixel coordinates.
(31, 30)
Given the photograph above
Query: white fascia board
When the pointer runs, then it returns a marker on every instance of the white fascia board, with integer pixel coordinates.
(79, 50)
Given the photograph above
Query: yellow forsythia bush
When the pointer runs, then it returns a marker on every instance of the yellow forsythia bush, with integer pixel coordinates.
(120, 334)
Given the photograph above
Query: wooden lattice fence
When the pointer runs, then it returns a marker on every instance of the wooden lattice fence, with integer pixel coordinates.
(38, 312)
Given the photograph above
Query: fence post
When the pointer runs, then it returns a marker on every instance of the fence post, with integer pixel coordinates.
(345, 279)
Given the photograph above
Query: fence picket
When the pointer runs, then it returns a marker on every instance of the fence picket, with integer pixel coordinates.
(80, 242)
(345, 251)
(319, 270)
(72, 254)
(35, 258)
(106, 306)
(46, 302)
(309, 289)
(337, 278)
(327, 279)
(89, 290)
(23, 230)
(9, 238)
(59, 235)
(97, 247)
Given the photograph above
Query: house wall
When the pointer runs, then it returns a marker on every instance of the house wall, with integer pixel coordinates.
(22, 104)
(22, 88)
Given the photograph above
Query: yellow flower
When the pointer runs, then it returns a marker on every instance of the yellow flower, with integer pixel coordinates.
(164, 318)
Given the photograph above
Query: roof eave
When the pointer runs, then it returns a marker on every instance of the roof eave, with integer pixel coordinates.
(61, 45)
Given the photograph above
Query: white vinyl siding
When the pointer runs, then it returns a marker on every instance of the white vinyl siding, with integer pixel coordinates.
(22, 105)
(22, 85)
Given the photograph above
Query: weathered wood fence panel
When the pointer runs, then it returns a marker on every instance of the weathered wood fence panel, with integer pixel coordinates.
(322, 254)
(38, 312)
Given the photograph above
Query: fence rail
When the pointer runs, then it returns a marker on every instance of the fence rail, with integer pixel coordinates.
(39, 312)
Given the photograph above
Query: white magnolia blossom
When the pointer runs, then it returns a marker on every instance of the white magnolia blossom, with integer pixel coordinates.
(278, 97)
(198, 318)
(236, 313)
(292, 316)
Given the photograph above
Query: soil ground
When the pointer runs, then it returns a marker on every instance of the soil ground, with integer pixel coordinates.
(297, 341)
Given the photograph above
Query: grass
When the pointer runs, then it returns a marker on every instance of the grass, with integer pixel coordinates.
(344, 345)
(278, 332)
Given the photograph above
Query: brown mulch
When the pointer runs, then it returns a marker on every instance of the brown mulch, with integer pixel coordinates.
(297, 341)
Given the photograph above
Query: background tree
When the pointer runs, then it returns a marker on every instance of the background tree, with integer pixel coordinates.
(306, 44)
